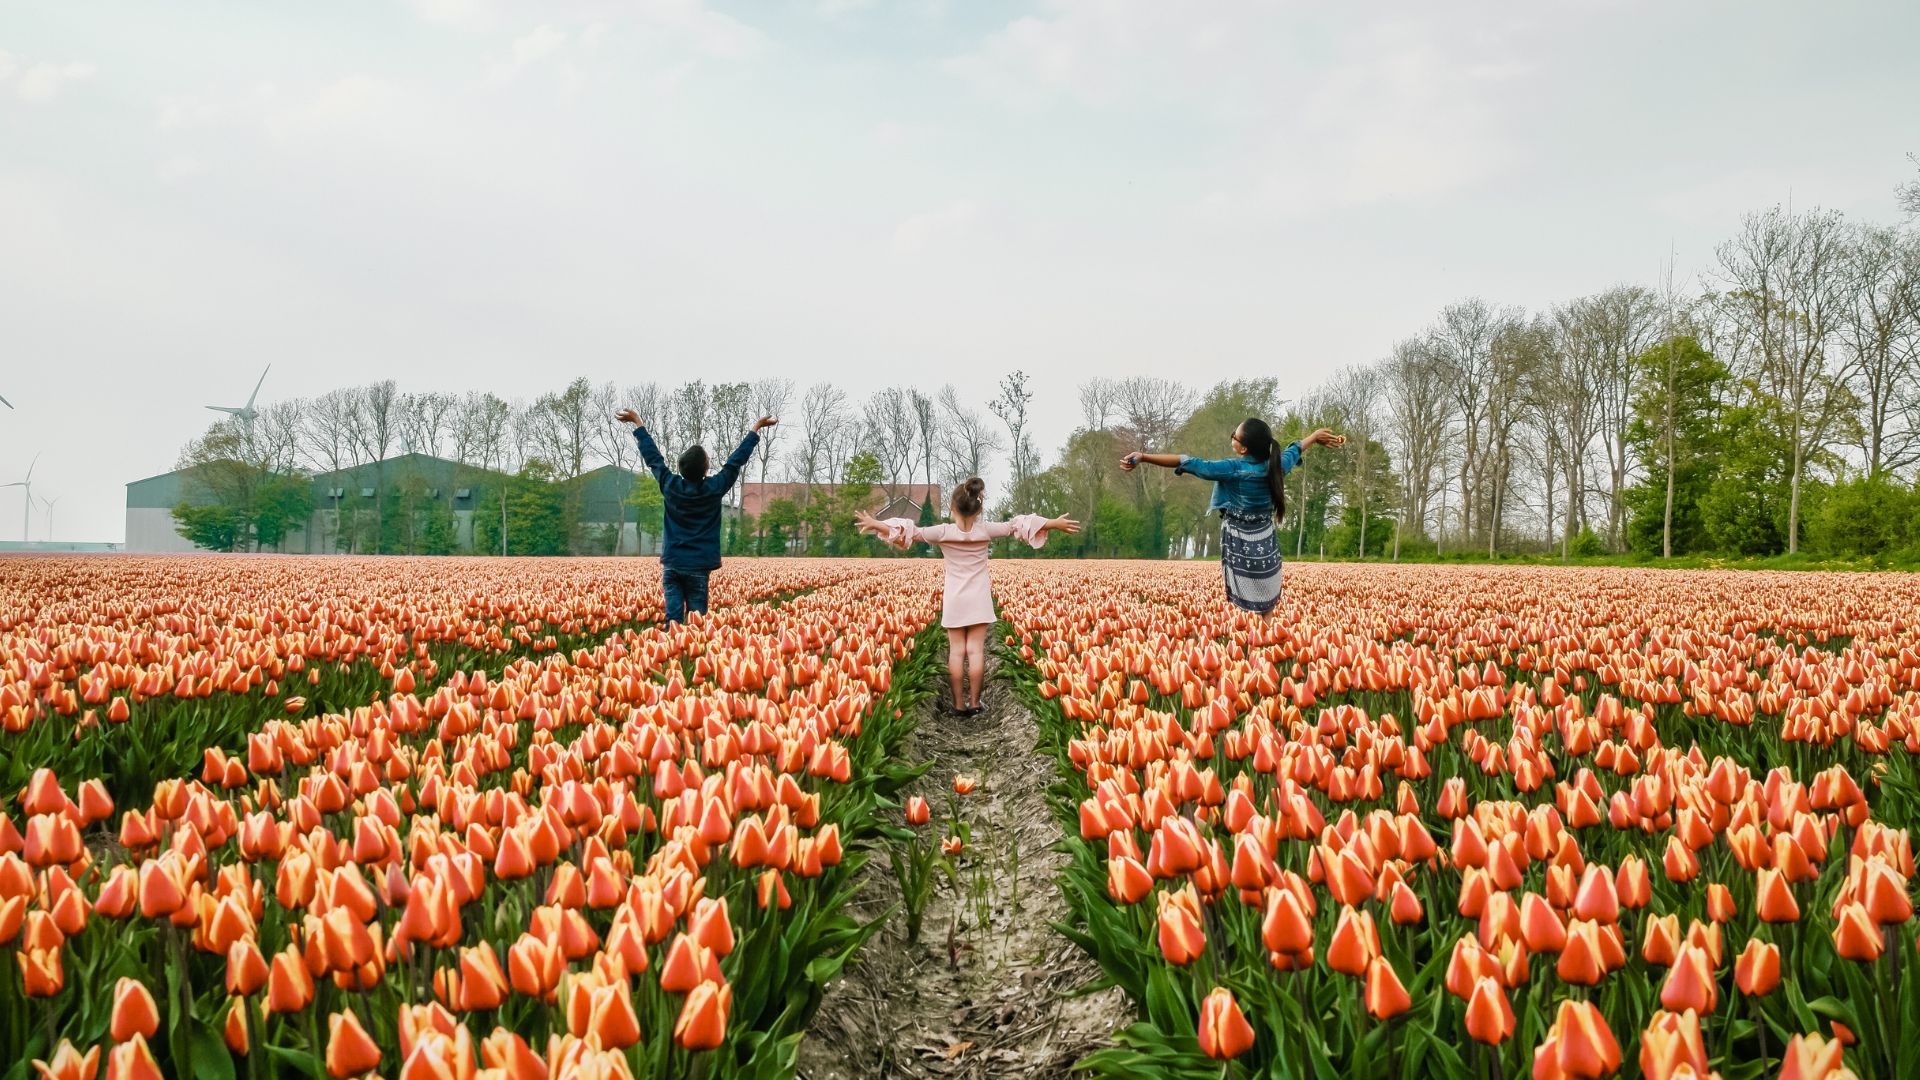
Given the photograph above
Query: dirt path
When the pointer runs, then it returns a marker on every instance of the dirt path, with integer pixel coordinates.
(988, 990)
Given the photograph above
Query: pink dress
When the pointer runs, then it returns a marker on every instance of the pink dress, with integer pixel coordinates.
(969, 595)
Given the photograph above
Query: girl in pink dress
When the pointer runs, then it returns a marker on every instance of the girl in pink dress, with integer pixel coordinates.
(967, 610)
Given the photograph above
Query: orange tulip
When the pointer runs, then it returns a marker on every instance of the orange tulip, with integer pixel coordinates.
(1127, 880)
(963, 785)
(1854, 935)
(1386, 997)
(1224, 1031)
(1773, 898)
(610, 1016)
(1671, 1044)
(1810, 1057)
(69, 1064)
(234, 1030)
(40, 972)
(246, 968)
(1757, 971)
(350, 1050)
(1354, 944)
(133, 1060)
(1579, 1045)
(1489, 1015)
(133, 1011)
(702, 1024)
(1181, 938)
(1690, 986)
(917, 812)
(289, 985)
(1719, 903)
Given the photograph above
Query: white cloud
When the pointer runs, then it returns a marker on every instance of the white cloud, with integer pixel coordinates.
(460, 14)
(542, 43)
(180, 167)
(948, 224)
(6, 64)
(44, 81)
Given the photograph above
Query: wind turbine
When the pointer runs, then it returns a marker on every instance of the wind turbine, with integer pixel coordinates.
(27, 522)
(245, 413)
(47, 505)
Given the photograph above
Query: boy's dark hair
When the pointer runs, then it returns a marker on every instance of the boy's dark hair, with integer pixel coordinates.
(693, 464)
(1258, 438)
(969, 497)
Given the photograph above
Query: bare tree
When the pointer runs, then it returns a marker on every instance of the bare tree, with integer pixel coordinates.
(1463, 343)
(562, 427)
(1419, 407)
(1789, 296)
(968, 441)
(690, 412)
(1881, 330)
(1621, 323)
(423, 421)
(768, 397)
(612, 440)
(1357, 393)
(889, 425)
(1011, 407)
(374, 424)
(1909, 192)
(823, 414)
(1518, 349)
(926, 425)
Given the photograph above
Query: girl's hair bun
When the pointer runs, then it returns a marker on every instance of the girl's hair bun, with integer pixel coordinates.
(969, 497)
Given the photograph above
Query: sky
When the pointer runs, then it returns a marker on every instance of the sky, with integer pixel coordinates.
(502, 195)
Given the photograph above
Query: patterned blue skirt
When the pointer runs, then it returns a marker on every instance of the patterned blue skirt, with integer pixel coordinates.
(1250, 560)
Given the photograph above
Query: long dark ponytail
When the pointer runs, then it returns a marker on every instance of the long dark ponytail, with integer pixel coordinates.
(1257, 437)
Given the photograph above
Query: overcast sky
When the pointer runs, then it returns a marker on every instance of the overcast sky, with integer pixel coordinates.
(487, 194)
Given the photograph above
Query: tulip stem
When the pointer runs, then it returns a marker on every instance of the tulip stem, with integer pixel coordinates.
(1760, 1028)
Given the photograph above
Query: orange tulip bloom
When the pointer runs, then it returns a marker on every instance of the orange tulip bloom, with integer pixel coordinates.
(1285, 927)
(1672, 1041)
(1489, 1014)
(1127, 880)
(1690, 985)
(611, 1018)
(133, 1060)
(1354, 944)
(289, 984)
(702, 1024)
(1582, 960)
(963, 785)
(40, 972)
(69, 1064)
(1182, 939)
(1224, 1031)
(1719, 903)
(1773, 898)
(1810, 1057)
(1757, 971)
(246, 968)
(1579, 1045)
(350, 1050)
(133, 1011)
(1855, 937)
(234, 1030)
(1598, 899)
(1386, 997)
(1660, 942)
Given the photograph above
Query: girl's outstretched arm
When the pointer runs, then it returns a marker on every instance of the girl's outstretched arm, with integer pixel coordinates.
(898, 532)
(1165, 461)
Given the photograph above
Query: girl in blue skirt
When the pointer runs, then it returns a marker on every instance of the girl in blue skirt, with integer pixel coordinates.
(1250, 492)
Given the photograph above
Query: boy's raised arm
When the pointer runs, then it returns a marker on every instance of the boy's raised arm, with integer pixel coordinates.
(649, 453)
(738, 459)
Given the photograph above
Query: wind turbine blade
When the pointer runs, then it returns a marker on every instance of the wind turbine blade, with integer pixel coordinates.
(256, 386)
(4, 401)
(224, 409)
(30, 465)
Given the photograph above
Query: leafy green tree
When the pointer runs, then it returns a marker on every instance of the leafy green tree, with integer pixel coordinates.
(648, 505)
(215, 528)
(857, 481)
(1743, 509)
(536, 514)
(1675, 430)
(778, 525)
(1867, 515)
(281, 504)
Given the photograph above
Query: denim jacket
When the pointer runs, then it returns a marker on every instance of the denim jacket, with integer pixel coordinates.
(1239, 484)
(692, 511)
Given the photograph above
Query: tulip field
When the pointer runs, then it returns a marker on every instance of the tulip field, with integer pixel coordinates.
(456, 818)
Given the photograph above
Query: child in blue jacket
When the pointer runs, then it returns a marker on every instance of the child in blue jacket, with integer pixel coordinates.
(690, 541)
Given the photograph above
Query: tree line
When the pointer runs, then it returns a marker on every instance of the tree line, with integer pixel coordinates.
(1771, 407)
